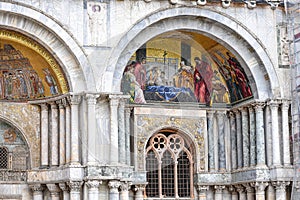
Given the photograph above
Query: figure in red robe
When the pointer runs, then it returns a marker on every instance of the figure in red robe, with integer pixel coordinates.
(140, 73)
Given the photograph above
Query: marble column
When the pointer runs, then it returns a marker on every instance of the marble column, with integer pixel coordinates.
(270, 192)
(242, 193)
(127, 135)
(245, 136)
(202, 189)
(121, 128)
(280, 187)
(66, 191)
(285, 133)
(44, 135)
(234, 194)
(239, 138)
(68, 134)
(252, 136)
(114, 190)
(62, 132)
(139, 192)
(219, 192)
(210, 193)
(124, 194)
(260, 190)
(250, 192)
(210, 132)
(93, 189)
(275, 134)
(260, 135)
(221, 141)
(114, 139)
(54, 191)
(54, 134)
(74, 101)
(233, 141)
(268, 135)
(37, 191)
(91, 116)
(75, 189)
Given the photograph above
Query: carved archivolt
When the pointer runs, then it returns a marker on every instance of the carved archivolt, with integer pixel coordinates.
(192, 129)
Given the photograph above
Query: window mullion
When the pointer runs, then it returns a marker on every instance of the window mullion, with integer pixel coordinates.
(160, 178)
(175, 177)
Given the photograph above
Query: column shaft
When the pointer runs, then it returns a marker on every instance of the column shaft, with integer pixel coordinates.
(121, 128)
(114, 190)
(54, 134)
(127, 135)
(239, 139)
(233, 141)
(260, 135)
(245, 136)
(275, 134)
(114, 139)
(285, 133)
(68, 134)
(44, 135)
(75, 100)
(252, 137)
(62, 135)
(221, 141)
(211, 149)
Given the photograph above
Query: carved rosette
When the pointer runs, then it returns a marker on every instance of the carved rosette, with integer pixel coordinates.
(75, 186)
(148, 125)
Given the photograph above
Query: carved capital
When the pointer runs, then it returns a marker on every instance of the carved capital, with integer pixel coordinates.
(232, 189)
(93, 184)
(37, 188)
(91, 99)
(202, 188)
(285, 104)
(280, 185)
(219, 188)
(239, 188)
(75, 99)
(125, 186)
(64, 187)
(274, 104)
(261, 186)
(54, 189)
(114, 184)
(44, 107)
(113, 100)
(75, 185)
(249, 188)
(139, 187)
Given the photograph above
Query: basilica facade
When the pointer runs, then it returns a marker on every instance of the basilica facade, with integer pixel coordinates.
(147, 99)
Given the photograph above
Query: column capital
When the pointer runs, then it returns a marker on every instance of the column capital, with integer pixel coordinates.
(258, 106)
(114, 184)
(124, 186)
(60, 104)
(113, 101)
(91, 99)
(249, 188)
(280, 185)
(75, 99)
(64, 187)
(211, 113)
(139, 187)
(231, 114)
(54, 189)
(251, 109)
(93, 184)
(285, 104)
(37, 187)
(219, 188)
(236, 112)
(53, 105)
(274, 103)
(75, 185)
(260, 186)
(232, 189)
(44, 106)
(239, 188)
(202, 188)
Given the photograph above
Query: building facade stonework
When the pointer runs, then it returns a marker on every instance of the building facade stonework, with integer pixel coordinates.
(145, 99)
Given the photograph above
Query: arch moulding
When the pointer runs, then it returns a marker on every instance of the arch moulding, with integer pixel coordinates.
(52, 36)
(231, 34)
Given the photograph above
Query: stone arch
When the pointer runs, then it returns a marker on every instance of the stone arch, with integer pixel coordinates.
(14, 125)
(205, 21)
(55, 38)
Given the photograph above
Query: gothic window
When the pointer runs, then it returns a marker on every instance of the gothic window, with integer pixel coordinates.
(169, 167)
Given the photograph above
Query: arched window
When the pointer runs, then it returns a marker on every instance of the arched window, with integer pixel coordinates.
(169, 166)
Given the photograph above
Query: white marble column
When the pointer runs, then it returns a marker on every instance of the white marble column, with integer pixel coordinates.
(221, 141)
(268, 135)
(54, 134)
(245, 136)
(91, 120)
(139, 192)
(242, 192)
(66, 191)
(54, 191)
(275, 134)
(127, 135)
(233, 141)
(260, 190)
(114, 139)
(62, 132)
(37, 191)
(239, 138)
(260, 135)
(252, 136)
(234, 194)
(250, 192)
(121, 129)
(210, 193)
(210, 132)
(74, 101)
(44, 135)
(202, 190)
(68, 134)
(93, 189)
(75, 189)
(114, 190)
(280, 187)
(285, 133)
(124, 193)
(270, 192)
(219, 192)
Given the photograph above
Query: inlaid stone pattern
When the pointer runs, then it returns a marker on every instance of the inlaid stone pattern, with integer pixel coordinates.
(16, 114)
